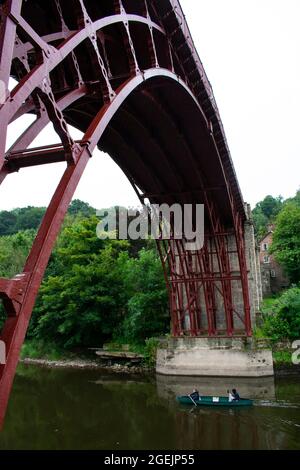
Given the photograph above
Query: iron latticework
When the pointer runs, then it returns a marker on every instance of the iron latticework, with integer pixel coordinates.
(126, 73)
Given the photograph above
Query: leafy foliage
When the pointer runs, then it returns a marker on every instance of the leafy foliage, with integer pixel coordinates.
(265, 212)
(40, 349)
(147, 305)
(98, 290)
(13, 252)
(286, 240)
(295, 199)
(78, 207)
(94, 290)
(27, 218)
(17, 220)
(282, 358)
(101, 290)
(282, 316)
(151, 345)
(81, 305)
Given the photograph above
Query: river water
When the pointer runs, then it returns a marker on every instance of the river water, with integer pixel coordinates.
(84, 409)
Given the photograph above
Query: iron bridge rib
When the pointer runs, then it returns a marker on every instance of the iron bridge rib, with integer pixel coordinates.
(127, 74)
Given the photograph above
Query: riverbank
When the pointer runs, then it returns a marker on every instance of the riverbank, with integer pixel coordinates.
(283, 359)
(280, 369)
(124, 359)
(80, 363)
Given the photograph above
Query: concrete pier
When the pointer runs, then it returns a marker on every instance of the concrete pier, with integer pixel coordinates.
(214, 357)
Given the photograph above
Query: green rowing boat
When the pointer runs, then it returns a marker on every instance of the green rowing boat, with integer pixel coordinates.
(213, 401)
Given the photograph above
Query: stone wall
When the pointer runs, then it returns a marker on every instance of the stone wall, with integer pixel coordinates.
(252, 257)
(226, 357)
(273, 277)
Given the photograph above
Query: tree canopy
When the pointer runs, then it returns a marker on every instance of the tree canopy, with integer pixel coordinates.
(282, 316)
(99, 291)
(27, 218)
(286, 240)
(265, 213)
(13, 252)
(17, 220)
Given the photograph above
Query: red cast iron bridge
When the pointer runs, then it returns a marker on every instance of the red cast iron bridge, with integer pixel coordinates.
(126, 73)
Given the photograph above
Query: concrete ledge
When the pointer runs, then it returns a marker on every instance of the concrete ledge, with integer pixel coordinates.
(214, 357)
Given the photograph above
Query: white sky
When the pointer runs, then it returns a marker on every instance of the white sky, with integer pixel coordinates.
(251, 53)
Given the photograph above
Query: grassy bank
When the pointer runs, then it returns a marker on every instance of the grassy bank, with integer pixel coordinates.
(45, 353)
(39, 350)
(42, 350)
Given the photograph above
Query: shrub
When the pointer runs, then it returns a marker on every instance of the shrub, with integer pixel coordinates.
(282, 316)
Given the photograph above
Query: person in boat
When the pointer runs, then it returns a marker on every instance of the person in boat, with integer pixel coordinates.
(195, 394)
(235, 395)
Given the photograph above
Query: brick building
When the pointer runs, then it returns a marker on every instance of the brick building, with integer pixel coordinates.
(272, 275)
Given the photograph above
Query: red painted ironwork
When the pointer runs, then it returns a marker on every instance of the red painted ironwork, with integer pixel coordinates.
(128, 76)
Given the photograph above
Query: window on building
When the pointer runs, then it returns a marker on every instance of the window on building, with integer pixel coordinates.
(273, 273)
(266, 259)
(265, 247)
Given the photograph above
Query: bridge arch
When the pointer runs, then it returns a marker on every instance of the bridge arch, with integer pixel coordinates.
(143, 97)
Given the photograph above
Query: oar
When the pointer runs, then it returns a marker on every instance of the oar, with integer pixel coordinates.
(193, 400)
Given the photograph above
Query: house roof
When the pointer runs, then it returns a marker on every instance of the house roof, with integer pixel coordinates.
(265, 236)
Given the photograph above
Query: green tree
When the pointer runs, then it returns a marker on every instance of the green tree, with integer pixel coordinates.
(260, 221)
(13, 252)
(271, 206)
(78, 207)
(265, 212)
(93, 288)
(286, 240)
(83, 304)
(147, 305)
(28, 218)
(295, 199)
(7, 222)
(282, 317)
(25, 218)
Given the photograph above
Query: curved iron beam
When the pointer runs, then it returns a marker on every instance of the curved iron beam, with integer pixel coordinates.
(54, 57)
(15, 327)
(33, 79)
(39, 124)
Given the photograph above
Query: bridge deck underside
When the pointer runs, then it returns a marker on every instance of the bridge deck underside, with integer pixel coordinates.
(126, 73)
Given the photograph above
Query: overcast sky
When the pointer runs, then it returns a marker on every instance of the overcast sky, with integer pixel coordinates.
(251, 53)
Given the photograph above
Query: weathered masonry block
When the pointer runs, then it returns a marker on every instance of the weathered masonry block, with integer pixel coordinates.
(225, 357)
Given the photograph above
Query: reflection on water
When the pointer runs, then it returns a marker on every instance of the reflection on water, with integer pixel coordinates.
(75, 409)
(259, 427)
(263, 387)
